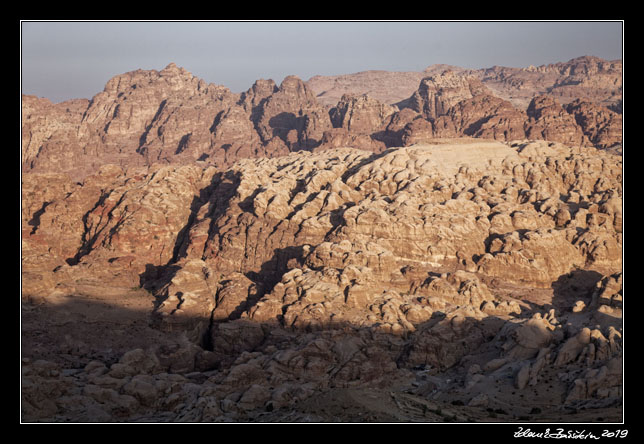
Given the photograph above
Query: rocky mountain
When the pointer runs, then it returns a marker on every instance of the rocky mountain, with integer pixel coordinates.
(193, 255)
(388, 87)
(171, 117)
(587, 78)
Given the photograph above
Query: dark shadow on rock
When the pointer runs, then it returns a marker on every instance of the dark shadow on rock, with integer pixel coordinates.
(284, 122)
(183, 143)
(473, 128)
(91, 233)
(585, 286)
(156, 277)
(351, 171)
(216, 121)
(572, 287)
(272, 270)
(391, 139)
(270, 274)
(35, 220)
(142, 149)
(405, 103)
(82, 329)
(217, 194)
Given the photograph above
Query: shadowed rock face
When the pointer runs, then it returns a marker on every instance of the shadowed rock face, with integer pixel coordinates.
(459, 277)
(483, 116)
(293, 115)
(361, 114)
(549, 120)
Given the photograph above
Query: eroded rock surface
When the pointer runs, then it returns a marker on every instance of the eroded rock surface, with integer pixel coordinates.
(448, 281)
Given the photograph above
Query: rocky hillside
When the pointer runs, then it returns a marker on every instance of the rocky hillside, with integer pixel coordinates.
(458, 281)
(388, 87)
(450, 251)
(586, 78)
(171, 117)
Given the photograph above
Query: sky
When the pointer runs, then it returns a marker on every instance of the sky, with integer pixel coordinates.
(63, 60)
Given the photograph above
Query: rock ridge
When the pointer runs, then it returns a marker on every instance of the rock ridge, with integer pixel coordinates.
(148, 117)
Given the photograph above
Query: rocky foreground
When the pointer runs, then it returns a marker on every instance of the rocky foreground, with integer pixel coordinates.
(463, 280)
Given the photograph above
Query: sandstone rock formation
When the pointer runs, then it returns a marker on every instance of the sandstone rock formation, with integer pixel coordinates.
(453, 105)
(602, 126)
(437, 94)
(483, 116)
(169, 116)
(49, 130)
(548, 120)
(385, 86)
(394, 247)
(293, 115)
(148, 117)
(361, 114)
(455, 279)
(587, 78)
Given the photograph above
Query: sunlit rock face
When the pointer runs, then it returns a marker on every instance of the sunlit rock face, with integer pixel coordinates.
(466, 270)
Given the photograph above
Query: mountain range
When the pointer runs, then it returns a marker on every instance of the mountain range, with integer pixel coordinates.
(172, 117)
(441, 246)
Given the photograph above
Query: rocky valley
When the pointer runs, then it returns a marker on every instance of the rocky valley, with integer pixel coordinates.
(442, 246)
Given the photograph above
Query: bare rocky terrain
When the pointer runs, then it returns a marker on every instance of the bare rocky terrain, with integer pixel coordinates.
(171, 117)
(586, 78)
(194, 255)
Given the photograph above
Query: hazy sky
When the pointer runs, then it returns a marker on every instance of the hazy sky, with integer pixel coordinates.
(64, 60)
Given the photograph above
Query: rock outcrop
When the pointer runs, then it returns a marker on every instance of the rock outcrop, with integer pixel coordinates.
(385, 86)
(50, 131)
(602, 126)
(437, 94)
(361, 114)
(459, 104)
(548, 120)
(483, 116)
(293, 115)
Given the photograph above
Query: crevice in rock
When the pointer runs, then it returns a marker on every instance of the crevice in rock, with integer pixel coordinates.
(144, 136)
(89, 240)
(206, 339)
